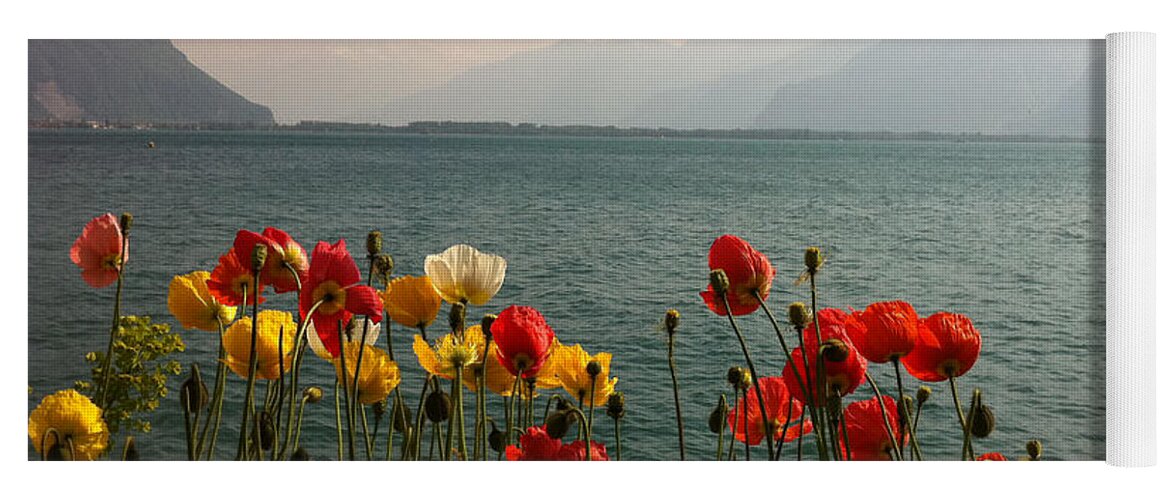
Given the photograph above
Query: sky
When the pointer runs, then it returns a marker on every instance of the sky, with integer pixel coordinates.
(1041, 87)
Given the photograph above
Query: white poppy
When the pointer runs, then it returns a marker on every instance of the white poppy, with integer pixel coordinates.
(464, 273)
(355, 337)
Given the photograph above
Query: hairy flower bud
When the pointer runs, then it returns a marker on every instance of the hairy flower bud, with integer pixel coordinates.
(267, 435)
(193, 393)
(719, 414)
(402, 418)
(799, 315)
(455, 316)
(374, 243)
(557, 425)
(383, 265)
(125, 222)
(923, 395)
(1033, 447)
(379, 408)
(813, 259)
(486, 324)
(616, 405)
(983, 420)
(496, 438)
(312, 394)
(593, 369)
(130, 452)
(834, 350)
(719, 281)
(671, 320)
(300, 455)
(739, 377)
(259, 255)
(437, 407)
(59, 452)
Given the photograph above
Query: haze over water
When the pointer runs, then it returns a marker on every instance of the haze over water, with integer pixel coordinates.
(604, 235)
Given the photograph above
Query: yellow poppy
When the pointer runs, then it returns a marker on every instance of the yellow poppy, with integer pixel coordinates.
(379, 374)
(570, 367)
(77, 420)
(192, 304)
(269, 346)
(497, 379)
(412, 301)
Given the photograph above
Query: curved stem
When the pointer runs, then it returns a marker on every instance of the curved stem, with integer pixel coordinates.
(217, 401)
(342, 341)
(955, 398)
(675, 390)
(751, 370)
(253, 365)
(417, 432)
(885, 420)
(905, 412)
(114, 327)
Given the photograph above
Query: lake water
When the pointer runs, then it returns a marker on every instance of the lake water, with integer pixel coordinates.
(604, 235)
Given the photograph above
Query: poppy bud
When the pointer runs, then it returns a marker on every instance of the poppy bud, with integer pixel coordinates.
(799, 315)
(558, 423)
(374, 243)
(456, 316)
(486, 325)
(259, 255)
(719, 281)
(923, 395)
(496, 438)
(905, 412)
(715, 421)
(1033, 447)
(616, 405)
(383, 265)
(834, 350)
(437, 407)
(125, 223)
(593, 369)
(267, 431)
(300, 455)
(983, 420)
(833, 404)
(59, 453)
(813, 259)
(130, 452)
(312, 394)
(563, 405)
(739, 377)
(402, 418)
(671, 321)
(193, 393)
(379, 409)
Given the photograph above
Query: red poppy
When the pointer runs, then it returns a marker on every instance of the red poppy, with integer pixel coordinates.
(992, 457)
(98, 251)
(948, 346)
(523, 338)
(866, 431)
(884, 330)
(841, 376)
(536, 444)
(776, 400)
(333, 281)
(282, 249)
(231, 281)
(748, 271)
(576, 451)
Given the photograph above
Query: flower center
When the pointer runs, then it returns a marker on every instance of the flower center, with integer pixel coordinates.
(332, 297)
(111, 262)
(242, 283)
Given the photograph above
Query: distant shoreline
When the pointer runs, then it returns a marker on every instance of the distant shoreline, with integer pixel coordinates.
(534, 130)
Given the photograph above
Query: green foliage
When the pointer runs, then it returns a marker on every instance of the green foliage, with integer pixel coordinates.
(138, 374)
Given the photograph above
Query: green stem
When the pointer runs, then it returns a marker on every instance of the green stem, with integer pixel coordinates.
(337, 416)
(968, 428)
(845, 435)
(819, 423)
(675, 390)
(342, 341)
(365, 431)
(955, 398)
(885, 420)
(751, 370)
(458, 390)
(618, 438)
(300, 417)
(590, 424)
(217, 401)
(417, 431)
(114, 327)
(905, 410)
(253, 365)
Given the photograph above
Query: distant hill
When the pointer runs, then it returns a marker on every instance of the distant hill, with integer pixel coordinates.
(128, 82)
(997, 87)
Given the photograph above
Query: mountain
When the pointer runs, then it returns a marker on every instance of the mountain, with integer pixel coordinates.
(1039, 87)
(128, 82)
